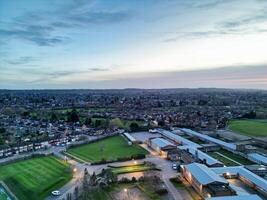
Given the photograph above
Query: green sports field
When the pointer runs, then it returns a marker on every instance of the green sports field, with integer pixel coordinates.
(34, 179)
(256, 128)
(109, 149)
(131, 168)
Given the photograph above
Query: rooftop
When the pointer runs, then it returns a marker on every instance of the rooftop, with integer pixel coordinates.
(161, 142)
(257, 180)
(178, 138)
(243, 197)
(203, 174)
(258, 157)
(208, 138)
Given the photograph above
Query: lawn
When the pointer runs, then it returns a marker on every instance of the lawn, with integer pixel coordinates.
(222, 159)
(35, 178)
(131, 168)
(109, 149)
(256, 128)
(228, 162)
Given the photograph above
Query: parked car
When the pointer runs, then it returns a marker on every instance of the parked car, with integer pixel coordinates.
(174, 166)
(56, 193)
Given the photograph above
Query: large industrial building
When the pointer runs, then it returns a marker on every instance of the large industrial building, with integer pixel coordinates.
(161, 146)
(254, 181)
(243, 197)
(205, 181)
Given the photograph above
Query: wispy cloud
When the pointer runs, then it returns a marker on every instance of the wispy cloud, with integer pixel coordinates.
(40, 35)
(208, 3)
(98, 69)
(73, 15)
(259, 16)
(21, 60)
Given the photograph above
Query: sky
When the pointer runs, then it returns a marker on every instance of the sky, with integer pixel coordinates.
(105, 44)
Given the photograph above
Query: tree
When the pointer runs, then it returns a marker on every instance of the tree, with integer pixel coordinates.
(69, 196)
(88, 121)
(134, 127)
(73, 116)
(97, 123)
(85, 180)
(93, 179)
(53, 117)
(161, 123)
(76, 192)
(2, 130)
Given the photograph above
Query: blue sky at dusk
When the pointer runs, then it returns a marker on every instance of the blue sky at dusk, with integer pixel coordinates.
(137, 43)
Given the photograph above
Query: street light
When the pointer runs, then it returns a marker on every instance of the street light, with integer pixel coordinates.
(75, 170)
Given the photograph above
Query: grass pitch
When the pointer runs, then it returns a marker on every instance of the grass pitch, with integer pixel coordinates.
(254, 128)
(109, 149)
(131, 168)
(35, 178)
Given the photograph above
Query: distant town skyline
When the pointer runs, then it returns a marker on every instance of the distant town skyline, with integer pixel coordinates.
(96, 44)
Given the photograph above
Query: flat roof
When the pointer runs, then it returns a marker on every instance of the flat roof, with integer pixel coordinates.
(131, 138)
(257, 180)
(203, 174)
(201, 155)
(161, 142)
(258, 157)
(243, 197)
(208, 138)
(178, 138)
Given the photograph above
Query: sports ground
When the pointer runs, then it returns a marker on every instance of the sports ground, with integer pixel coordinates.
(34, 179)
(254, 128)
(108, 149)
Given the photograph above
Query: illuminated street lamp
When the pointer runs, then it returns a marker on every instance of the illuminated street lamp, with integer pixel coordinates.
(75, 170)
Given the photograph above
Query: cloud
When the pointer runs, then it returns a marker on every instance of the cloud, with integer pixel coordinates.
(21, 60)
(41, 31)
(101, 17)
(256, 17)
(208, 3)
(98, 69)
(247, 76)
(40, 35)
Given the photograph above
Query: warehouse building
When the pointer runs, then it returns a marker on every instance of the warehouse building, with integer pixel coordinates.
(198, 156)
(249, 178)
(130, 138)
(205, 181)
(161, 146)
(243, 197)
(203, 137)
(258, 158)
(178, 139)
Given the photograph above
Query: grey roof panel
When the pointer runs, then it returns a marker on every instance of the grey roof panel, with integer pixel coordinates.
(243, 197)
(208, 138)
(257, 180)
(203, 174)
(258, 157)
(177, 138)
(160, 142)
